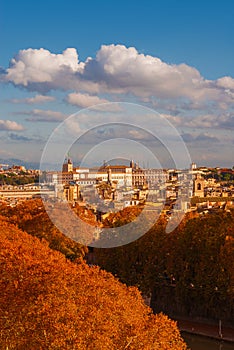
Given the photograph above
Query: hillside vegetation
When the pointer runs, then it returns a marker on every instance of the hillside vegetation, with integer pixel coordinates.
(48, 302)
(192, 267)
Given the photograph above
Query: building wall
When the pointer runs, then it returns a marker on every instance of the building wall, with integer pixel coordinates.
(198, 187)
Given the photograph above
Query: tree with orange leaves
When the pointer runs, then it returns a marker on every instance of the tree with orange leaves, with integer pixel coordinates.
(31, 216)
(48, 302)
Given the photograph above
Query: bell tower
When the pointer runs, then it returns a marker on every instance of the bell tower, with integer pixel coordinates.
(198, 186)
(67, 166)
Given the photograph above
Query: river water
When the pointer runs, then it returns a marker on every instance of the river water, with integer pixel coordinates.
(196, 342)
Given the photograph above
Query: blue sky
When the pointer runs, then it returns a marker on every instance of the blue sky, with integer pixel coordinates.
(175, 57)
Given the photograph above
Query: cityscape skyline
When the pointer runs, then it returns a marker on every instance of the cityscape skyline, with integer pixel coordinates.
(171, 58)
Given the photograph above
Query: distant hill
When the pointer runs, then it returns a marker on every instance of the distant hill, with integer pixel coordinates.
(15, 161)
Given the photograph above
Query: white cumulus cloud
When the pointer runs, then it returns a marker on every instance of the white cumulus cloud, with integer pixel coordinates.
(226, 83)
(115, 69)
(10, 125)
(84, 100)
(41, 70)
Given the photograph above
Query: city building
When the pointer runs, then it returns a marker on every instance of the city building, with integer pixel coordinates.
(198, 186)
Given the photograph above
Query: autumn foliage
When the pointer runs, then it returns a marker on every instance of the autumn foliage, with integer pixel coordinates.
(48, 302)
(31, 216)
(192, 267)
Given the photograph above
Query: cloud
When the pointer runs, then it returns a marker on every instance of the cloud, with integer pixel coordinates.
(200, 138)
(16, 137)
(40, 115)
(227, 123)
(206, 137)
(33, 68)
(219, 121)
(124, 70)
(201, 121)
(226, 83)
(10, 125)
(33, 100)
(115, 69)
(84, 100)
